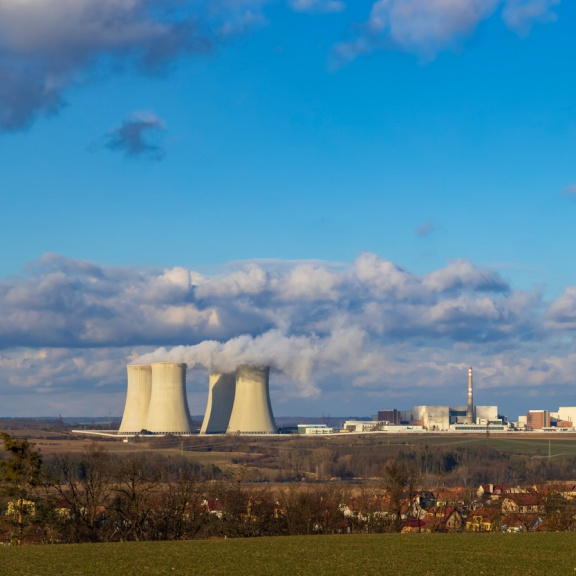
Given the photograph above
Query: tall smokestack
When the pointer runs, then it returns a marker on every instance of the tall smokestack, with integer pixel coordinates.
(470, 411)
(221, 392)
(168, 412)
(252, 410)
(137, 399)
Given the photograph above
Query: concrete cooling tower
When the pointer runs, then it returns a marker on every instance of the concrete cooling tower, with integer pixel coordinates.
(137, 399)
(221, 393)
(252, 411)
(168, 412)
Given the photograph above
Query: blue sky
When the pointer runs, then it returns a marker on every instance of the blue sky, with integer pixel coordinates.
(354, 152)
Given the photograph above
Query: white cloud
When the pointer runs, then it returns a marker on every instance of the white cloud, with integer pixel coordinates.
(520, 15)
(562, 313)
(328, 329)
(461, 273)
(427, 27)
(46, 46)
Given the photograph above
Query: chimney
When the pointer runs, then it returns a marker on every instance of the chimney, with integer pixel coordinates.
(470, 411)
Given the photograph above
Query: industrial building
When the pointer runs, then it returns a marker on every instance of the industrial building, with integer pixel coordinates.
(390, 415)
(314, 429)
(252, 409)
(566, 416)
(443, 418)
(375, 426)
(537, 419)
(156, 401)
(221, 394)
(168, 412)
(439, 418)
(137, 399)
(239, 403)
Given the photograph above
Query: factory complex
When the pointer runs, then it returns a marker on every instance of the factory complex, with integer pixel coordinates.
(239, 403)
(156, 402)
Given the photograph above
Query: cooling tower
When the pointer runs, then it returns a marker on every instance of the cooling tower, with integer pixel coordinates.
(137, 399)
(252, 411)
(168, 412)
(221, 392)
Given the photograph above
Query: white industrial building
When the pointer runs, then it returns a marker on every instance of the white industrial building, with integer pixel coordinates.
(314, 429)
(156, 400)
(376, 426)
(565, 413)
(137, 399)
(168, 412)
(221, 394)
(439, 418)
(252, 409)
(480, 428)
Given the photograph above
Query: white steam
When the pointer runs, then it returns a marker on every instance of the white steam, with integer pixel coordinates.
(298, 357)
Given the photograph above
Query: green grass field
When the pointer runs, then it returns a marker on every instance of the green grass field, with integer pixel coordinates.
(358, 555)
(560, 446)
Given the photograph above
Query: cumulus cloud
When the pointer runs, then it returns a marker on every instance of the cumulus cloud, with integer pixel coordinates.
(324, 328)
(461, 274)
(68, 303)
(426, 27)
(136, 136)
(562, 312)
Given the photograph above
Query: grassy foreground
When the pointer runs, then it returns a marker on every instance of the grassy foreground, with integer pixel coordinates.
(394, 554)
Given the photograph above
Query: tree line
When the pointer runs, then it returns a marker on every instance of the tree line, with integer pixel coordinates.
(96, 496)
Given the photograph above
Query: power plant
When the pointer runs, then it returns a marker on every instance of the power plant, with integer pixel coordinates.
(221, 393)
(168, 410)
(137, 399)
(239, 403)
(252, 410)
(156, 401)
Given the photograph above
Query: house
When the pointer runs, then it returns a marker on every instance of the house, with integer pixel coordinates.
(483, 520)
(445, 519)
(415, 525)
(451, 497)
(525, 503)
(500, 490)
(485, 490)
(520, 523)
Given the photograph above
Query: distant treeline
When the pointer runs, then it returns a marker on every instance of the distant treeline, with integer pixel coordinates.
(97, 496)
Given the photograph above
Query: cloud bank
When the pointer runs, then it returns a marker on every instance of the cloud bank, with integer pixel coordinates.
(325, 329)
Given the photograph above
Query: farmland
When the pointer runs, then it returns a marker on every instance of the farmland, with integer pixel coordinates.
(386, 554)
